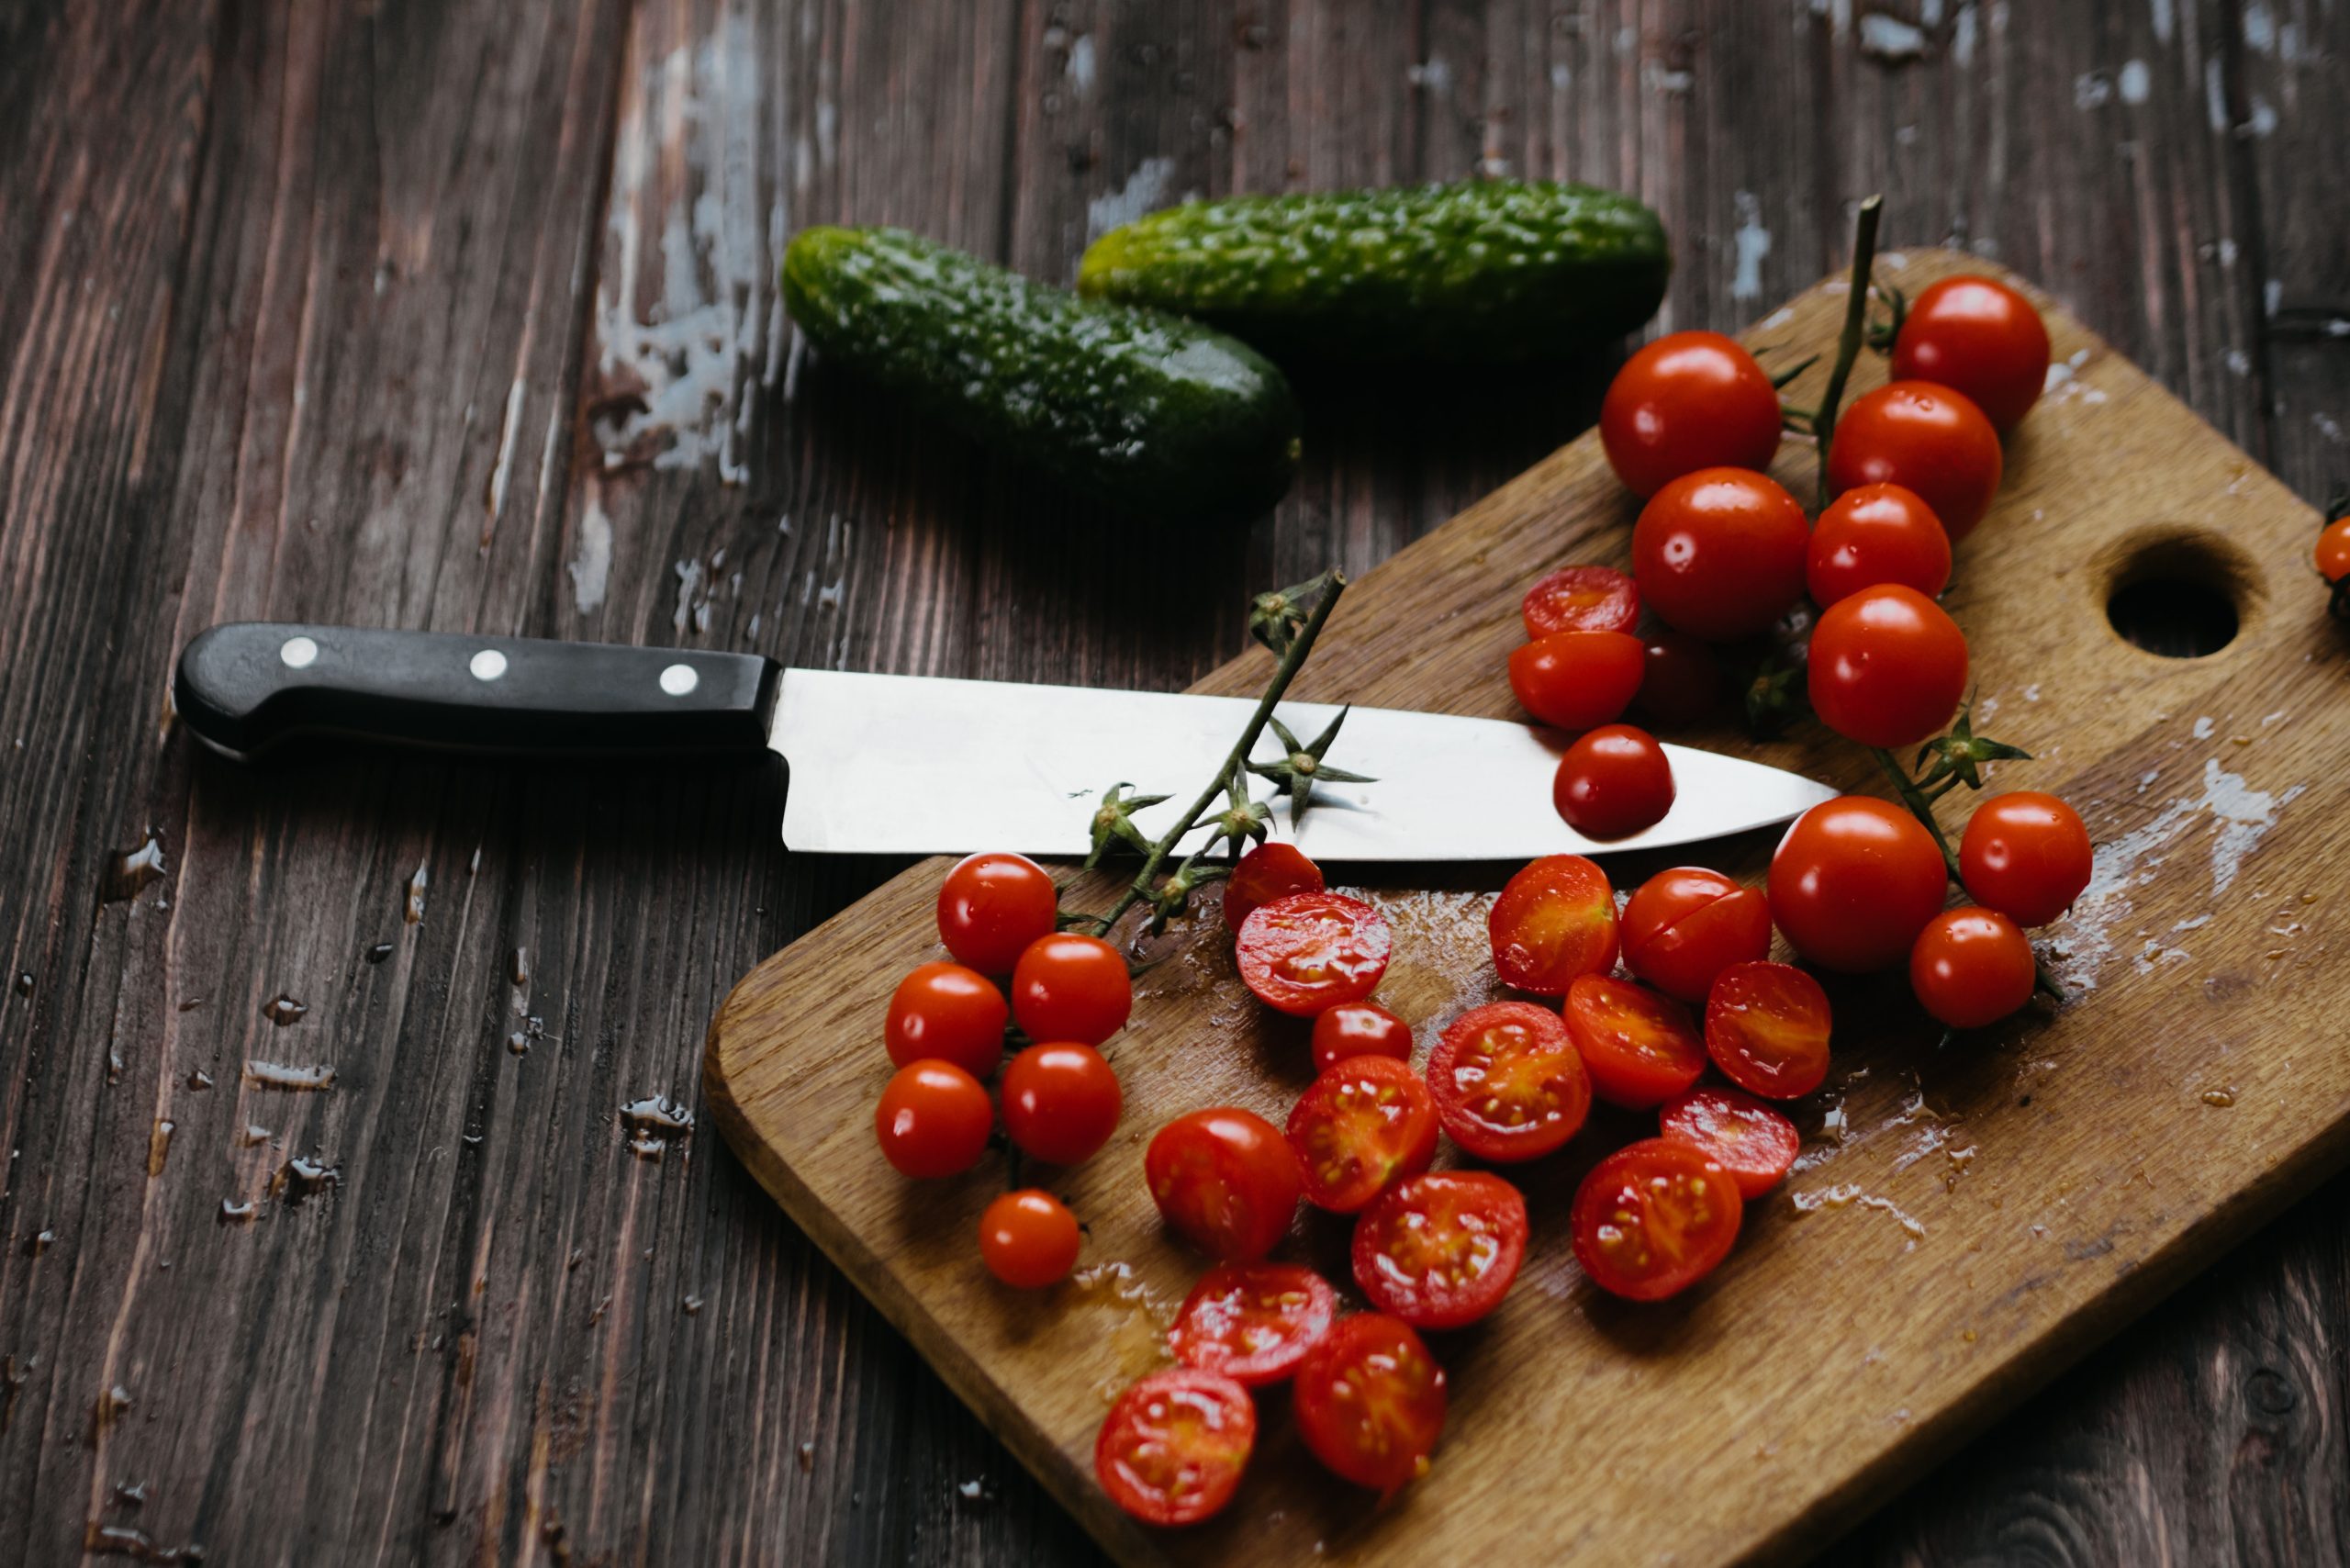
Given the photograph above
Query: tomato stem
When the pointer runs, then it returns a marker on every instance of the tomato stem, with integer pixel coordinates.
(1855, 334)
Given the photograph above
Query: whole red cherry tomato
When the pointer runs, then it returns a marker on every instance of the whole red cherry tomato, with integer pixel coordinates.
(1854, 881)
(1358, 1029)
(1440, 1250)
(1719, 553)
(1681, 680)
(1364, 1126)
(1972, 967)
(2333, 551)
(1613, 782)
(1640, 1049)
(1061, 1101)
(1507, 1082)
(1068, 987)
(1253, 1322)
(1370, 1402)
(1581, 598)
(948, 1013)
(1687, 401)
(1687, 924)
(1887, 666)
(1978, 336)
(1268, 872)
(1307, 951)
(2026, 854)
(1746, 1137)
(1028, 1239)
(991, 906)
(1173, 1447)
(1575, 680)
(1225, 1179)
(1924, 438)
(1653, 1219)
(1554, 920)
(934, 1120)
(1877, 533)
(1767, 1027)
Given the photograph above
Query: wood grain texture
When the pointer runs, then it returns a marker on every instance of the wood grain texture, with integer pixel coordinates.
(270, 278)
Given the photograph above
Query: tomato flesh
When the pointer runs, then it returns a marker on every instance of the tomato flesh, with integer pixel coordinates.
(1640, 1049)
(1225, 1179)
(1554, 920)
(1173, 1447)
(1304, 952)
(1653, 1219)
(1613, 782)
(1766, 1027)
(2026, 854)
(947, 1013)
(1266, 872)
(1357, 1029)
(1440, 1251)
(1581, 598)
(1370, 1402)
(1755, 1142)
(1253, 1322)
(1887, 666)
(1364, 1125)
(1507, 1082)
(1972, 968)
(1574, 680)
(1853, 882)
(1685, 926)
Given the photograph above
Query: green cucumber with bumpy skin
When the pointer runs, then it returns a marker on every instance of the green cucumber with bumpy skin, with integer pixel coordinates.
(1490, 271)
(1136, 407)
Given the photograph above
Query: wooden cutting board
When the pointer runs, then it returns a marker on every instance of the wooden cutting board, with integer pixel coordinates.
(1966, 1221)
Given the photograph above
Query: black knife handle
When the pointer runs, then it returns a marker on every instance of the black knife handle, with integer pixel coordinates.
(246, 686)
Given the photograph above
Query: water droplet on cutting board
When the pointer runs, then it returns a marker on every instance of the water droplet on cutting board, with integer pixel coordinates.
(134, 869)
(284, 1011)
(654, 1124)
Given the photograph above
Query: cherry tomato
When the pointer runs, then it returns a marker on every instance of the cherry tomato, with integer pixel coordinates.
(1681, 680)
(1307, 951)
(1554, 920)
(1440, 1250)
(1854, 881)
(1225, 1179)
(1364, 1125)
(2333, 551)
(1572, 680)
(1640, 1049)
(1266, 872)
(1068, 987)
(1253, 1322)
(1766, 1027)
(1887, 666)
(1924, 438)
(2026, 854)
(1972, 967)
(1061, 1101)
(1370, 1402)
(1687, 401)
(1028, 1239)
(1750, 1140)
(1507, 1082)
(1581, 598)
(1976, 336)
(1877, 533)
(1687, 925)
(1174, 1445)
(1653, 1219)
(1613, 782)
(1358, 1029)
(934, 1120)
(1719, 553)
(991, 906)
(947, 1013)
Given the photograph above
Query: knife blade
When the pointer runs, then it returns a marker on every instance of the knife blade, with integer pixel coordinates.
(884, 764)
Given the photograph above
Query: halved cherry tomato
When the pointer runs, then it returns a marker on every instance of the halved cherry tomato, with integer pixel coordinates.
(1924, 438)
(1887, 666)
(1266, 872)
(1554, 920)
(1364, 1125)
(2026, 854)
(1972, 968)
(1640, 1049)
(1766, 1027)
(1253, 1322)
(1068, 987)
(1687, 401)
(1507, 1082)
(1370, 1402)
(1225, 1179)
(1581, 598)
(1687, 924)
(1061, 1101)
(1653, 1219)
(1681, 679)
(1304, 952)
(991, 906)
(949, 1014)
(1613, 782)
(1719, 553)
(2333, 551)
(1854, 881)
(1440, 1250)
(1173, 1447)
(1746, 1137)
(1572, 680)
(1028, 1239)
(1877, 533)
(1358, 1029)
(934, 1120)
(1976, 336)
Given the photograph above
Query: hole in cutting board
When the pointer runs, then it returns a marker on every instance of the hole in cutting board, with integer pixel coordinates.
(2178, 594)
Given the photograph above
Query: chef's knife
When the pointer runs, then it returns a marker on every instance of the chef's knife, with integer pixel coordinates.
(885, 764)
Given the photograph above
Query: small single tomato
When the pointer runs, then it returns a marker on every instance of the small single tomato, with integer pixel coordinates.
(1874, 534)
(1925, 438)
(1061, 1101)
(934, 1120)
(1266, 872)
(1687, 924)
(991, 906)
(1068, 987)
(2333, 551)
(1972, 967)
(1978, 336)
(1173, 1447)
(947, 1013)
(1253, 1322)
(1653, 1219)
(1370, 1402)
(1681, 677)
(1440, 1250)
(2026, 854)
(1581, 598)
(1358, 1029)
(1613, 782)
(1366, 1124)
(1508, 1082)
(1753, 1141)
(1226, 1180)
(1687, 401)
(1304, 952)
(1887, 666)
(1719, 553)
(1028, 1239)
(1640, 1049)
(1767, 1027)
(1554, 920)
(1853, 882)
(1572, 680)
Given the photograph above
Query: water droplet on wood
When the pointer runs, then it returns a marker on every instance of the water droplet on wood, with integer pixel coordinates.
(130, 1494)
(413, 911)
(2222, 1098)
(235, 1213)
(807, 1458)
(303, 1175)
(158, 1146)
(24, 982)
(282, 1009)
(379, 952)
(199, 1080)
(654, 1124)
(254, 1134)
(692, 1304)
(133, 870)
(112, 1403)
(519, 968)
(37, 1242)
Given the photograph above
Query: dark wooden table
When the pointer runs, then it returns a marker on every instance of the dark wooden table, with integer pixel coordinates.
(462, 316)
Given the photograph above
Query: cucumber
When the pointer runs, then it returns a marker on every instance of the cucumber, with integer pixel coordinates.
(1136, 407)
(1489, 270)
